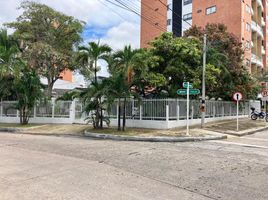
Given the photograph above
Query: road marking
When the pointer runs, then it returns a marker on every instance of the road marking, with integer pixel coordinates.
(240, 144)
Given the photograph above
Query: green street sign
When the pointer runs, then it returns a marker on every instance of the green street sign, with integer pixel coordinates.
(185, 85)
(191, 92)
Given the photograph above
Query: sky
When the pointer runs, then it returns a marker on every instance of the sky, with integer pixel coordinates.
(104, 21)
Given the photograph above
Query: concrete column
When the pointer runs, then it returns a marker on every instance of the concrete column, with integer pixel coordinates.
(72, 110)
(192, 113)
(167, 112)
(53, 107)
(140, 112)
(178, 112)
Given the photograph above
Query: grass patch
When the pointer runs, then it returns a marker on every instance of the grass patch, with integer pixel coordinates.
(114, 131)
(137, 132)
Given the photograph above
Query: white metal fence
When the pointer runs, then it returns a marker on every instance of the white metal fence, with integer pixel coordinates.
(175, 109)
(45, 112)
(146, 113)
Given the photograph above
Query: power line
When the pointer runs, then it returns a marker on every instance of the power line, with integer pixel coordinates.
(173, 21)
(137, 13)
(178, 15)
(100, 1)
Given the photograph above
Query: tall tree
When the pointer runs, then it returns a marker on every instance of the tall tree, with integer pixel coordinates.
(125, 65)
(28, 90)
(47, 38)
(89, 57)
(9, 64)
(177, 60)
(225, 53)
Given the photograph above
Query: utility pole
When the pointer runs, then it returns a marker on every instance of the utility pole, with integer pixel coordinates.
(203, 108)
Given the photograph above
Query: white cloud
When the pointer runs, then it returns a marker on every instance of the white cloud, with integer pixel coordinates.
(124, 34)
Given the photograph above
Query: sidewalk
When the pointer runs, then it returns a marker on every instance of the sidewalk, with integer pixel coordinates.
(213, 130)
(246, 127)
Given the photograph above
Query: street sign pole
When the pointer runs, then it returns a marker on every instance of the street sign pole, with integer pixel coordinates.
(237, 115)
(237, 97)
(188, 102)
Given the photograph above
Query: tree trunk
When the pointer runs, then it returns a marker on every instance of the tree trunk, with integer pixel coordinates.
(124, 114)
(97, 120)
(95, 72)
(49, 89)
(101, 119)
(119, 115)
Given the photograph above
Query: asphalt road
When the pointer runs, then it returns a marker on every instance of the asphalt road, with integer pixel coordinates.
(63, 168)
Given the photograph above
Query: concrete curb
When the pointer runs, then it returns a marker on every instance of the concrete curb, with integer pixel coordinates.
(11, 130)
(19, 130)
(151, 139)
(244, 133)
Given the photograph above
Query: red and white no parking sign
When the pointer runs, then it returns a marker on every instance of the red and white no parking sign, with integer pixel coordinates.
(237, 96)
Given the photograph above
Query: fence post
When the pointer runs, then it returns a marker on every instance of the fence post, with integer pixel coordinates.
(140, 112)
(117, 110)
(192, 113)
(34, 111)
(72, 111)
(53, 107)
(178, 112)
(1, 108)
(214, 110)
(222, 110)
(231, 111)
(167, 112)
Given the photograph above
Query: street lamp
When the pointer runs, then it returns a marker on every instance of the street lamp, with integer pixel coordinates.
(203, 108)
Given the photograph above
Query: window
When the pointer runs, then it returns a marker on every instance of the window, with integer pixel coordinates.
(186, 2)
(248, 9)
(187, 17)
(248, 27)
(169, 22)
(211, 10)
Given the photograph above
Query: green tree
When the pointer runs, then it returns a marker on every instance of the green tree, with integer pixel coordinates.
(47, 38)
(225, 53)
(117, 89)
(28, 91)
(177, 60)
(95, 101)
(125, 66)
(89, 56)
(10, 64)
(146, 80)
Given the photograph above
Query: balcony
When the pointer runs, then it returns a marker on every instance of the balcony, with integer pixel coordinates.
(256, 60)
(256, 28)
(262, 22)
(263, 52)
(259, 2)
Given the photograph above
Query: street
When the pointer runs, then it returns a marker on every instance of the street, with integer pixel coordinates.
(48, 167)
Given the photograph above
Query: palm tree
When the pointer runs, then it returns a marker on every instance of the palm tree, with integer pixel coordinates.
(94, 98)
(9, 63)
(116, 88)
(8, 53)
(91, 54)
(125, 65)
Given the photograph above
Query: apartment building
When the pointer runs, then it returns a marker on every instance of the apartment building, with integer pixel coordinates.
(247, 19)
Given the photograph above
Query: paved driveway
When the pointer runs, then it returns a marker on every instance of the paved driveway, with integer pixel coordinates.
(43, 167)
